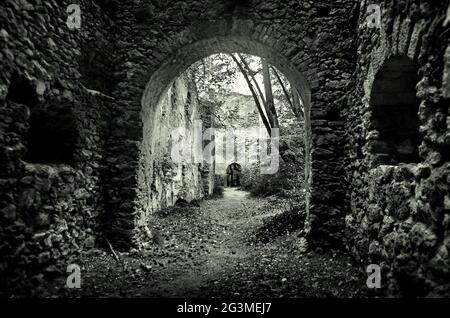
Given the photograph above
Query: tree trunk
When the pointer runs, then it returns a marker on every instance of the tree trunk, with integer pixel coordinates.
(280, 81)
(296, 104)
(249, 71)
(255, 96)
(270, 105)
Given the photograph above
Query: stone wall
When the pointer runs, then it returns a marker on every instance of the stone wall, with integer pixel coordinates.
(73, 160)
(52, 130)
(399, 216)
(169, 128)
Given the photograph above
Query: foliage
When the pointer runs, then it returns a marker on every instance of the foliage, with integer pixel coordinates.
(218, 189)
(238, 111)
(176, 210)
(217, 75)
(290, 175)
(214, 76)
(280, 224)
(285, 191)
(289, 123)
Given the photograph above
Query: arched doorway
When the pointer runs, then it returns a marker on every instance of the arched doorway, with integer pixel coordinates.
(292, 58)
(160, 80)
(394, 135)
(182, 59)
(234, 175)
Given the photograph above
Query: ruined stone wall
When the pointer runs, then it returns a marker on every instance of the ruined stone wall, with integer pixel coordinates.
(400, 212)
(310, 42)
(51, 137)
(72, 158)
(208, 168)
(169, 132)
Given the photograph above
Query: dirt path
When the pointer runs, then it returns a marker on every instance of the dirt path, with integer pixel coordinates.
(211, 251)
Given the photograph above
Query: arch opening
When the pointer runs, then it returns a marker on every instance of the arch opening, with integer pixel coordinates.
(163, 80)
(50, 132)
(234, 175)
(394, 137)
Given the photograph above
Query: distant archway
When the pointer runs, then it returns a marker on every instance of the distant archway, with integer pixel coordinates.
(234, 175)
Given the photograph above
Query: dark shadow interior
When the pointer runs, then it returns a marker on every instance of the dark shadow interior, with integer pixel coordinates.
(234, 175)
(394, 113)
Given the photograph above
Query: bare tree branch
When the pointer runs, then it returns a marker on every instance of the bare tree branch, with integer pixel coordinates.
(255, 96)
(297, 105)
(270, 104)
(252, 75)
(280, 81)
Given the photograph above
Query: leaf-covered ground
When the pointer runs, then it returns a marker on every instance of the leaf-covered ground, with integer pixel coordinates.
(214, 251)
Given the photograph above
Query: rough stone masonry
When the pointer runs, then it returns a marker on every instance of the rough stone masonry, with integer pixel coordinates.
(78, 116)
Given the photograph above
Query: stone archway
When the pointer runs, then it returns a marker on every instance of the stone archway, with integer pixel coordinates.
(146, 77)
(184, 57)
(233, 175)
